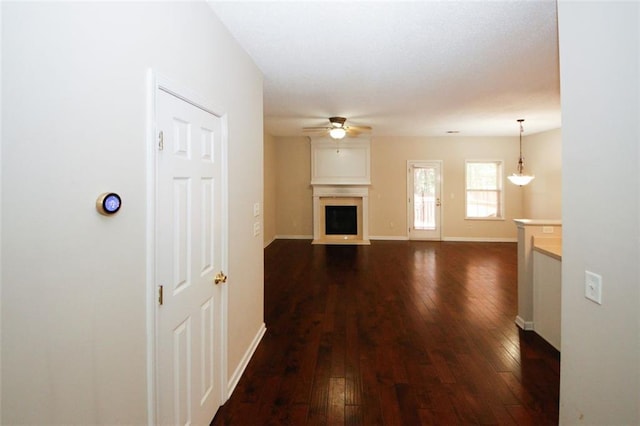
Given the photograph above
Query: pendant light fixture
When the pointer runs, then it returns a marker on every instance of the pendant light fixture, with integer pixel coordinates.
(520, 178)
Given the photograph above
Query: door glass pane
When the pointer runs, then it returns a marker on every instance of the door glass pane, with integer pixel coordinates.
(424, 198)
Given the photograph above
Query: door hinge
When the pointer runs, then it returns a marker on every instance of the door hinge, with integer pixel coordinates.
(161, 141)
(160, 295)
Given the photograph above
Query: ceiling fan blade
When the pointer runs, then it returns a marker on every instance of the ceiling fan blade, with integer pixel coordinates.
(352, 133)
(359, 128)
(315, 129)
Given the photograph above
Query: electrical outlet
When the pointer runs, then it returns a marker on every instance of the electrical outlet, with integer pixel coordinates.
(547, 229)
(593, 287)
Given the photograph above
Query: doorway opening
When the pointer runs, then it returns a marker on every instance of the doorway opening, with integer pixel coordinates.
(424, 181)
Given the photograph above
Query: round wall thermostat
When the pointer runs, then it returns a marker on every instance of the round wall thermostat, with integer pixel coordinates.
(108, 203)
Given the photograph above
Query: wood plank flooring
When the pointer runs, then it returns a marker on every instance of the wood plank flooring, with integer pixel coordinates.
(396, 333)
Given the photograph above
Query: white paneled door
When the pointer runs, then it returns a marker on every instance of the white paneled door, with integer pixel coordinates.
(424, 200)
(189, 261)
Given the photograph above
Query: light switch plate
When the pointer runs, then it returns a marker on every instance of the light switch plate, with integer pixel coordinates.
(256, 209)
(593, 287)
(256, 229)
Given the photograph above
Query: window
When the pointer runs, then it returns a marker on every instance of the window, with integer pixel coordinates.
(484, 190)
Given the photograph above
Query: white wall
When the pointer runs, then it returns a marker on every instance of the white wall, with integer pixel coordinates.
(73, 112)
(1, 66)
(599, 69)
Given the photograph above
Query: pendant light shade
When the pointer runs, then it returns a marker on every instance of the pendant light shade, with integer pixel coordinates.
(520, 178)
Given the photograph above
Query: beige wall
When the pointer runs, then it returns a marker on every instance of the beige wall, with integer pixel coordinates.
(294, 197)
(543, 158)
(387, 198)
(269, 195)
(75, 300)
(600, 58)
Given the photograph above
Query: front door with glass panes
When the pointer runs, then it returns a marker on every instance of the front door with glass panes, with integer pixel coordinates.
(423, 199)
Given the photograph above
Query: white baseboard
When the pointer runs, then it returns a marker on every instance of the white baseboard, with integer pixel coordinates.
(452, 239)
(237, 374)
(525, 325)
(405, 238)
(268, 243)
(389, 238)
(481, 239)
(293, 237)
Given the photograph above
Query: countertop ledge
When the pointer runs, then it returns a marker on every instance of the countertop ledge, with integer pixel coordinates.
(538, 222)
(549, 246)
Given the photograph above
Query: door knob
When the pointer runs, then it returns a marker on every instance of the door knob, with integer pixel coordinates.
(220, 278)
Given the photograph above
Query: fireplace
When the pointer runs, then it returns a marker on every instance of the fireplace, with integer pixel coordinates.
(340, 178)
(340, 215)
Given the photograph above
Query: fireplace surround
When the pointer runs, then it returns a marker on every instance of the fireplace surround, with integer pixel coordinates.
(357, 197)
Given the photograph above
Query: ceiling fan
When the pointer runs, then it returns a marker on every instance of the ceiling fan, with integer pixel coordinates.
(337, 129)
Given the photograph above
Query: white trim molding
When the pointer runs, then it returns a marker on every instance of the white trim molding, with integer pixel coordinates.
(293, 237)
(481, 239)
(244, 362)
(525, 325)
(390, 238)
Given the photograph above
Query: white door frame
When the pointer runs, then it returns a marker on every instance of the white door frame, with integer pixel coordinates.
(156, 82)
(410, 196)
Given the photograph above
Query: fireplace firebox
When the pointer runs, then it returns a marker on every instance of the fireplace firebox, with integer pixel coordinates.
(341, 220)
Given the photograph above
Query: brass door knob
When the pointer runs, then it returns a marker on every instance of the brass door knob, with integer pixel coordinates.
(220, 278)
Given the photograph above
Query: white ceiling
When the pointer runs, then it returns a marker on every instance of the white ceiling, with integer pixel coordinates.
(417, 68)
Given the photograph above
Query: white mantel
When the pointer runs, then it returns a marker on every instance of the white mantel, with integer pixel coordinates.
(341, 175)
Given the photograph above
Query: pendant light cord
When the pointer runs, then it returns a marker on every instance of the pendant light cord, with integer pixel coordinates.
(521, 160)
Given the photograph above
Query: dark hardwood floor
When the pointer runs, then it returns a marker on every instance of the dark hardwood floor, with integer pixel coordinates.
(396, 333)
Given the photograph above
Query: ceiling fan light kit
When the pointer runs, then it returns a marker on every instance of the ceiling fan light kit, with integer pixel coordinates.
(337, 133)
(520, 178)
